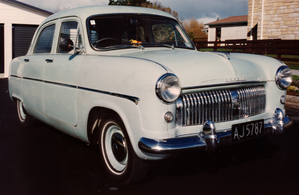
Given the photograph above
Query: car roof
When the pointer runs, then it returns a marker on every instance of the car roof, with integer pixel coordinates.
(85, 12)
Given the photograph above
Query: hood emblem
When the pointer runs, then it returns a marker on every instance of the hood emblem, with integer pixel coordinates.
(235, 80)
(223, 54)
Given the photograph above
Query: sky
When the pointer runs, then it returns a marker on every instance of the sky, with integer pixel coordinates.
(202, 10)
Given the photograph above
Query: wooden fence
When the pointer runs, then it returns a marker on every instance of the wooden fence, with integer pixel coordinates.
(285, 50)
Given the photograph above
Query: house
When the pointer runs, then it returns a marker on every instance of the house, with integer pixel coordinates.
(273, 19)
(18, 22)
(267, 19)
(234, 27)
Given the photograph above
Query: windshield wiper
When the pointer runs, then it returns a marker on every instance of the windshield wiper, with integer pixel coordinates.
(159, 45)
(139, 46)
(120, 47)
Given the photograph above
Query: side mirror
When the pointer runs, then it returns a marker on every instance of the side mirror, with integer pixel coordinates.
(79, 50)
(66, 45)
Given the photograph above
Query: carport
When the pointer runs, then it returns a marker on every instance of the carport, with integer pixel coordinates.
(18, 22)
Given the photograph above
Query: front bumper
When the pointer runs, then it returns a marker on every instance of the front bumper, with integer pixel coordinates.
(209, 142)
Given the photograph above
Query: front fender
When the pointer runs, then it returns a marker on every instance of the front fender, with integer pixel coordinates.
(126, 86)
(267, 64)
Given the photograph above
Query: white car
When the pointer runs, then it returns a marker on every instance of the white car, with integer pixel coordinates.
(130, 80)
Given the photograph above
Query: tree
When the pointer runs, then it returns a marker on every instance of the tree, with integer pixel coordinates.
(128, 2)
(159, 6)
(194, 29)
(145, 3)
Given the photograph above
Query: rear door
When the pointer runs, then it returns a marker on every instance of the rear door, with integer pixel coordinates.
(33, 68)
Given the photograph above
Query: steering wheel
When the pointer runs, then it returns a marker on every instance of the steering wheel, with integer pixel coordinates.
(105, 42)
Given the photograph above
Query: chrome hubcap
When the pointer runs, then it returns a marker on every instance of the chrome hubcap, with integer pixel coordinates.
(118, 145)
(115, 149)
(21, 112)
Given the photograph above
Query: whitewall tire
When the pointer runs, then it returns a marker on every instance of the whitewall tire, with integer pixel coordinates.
(120, 160)
(25, 119)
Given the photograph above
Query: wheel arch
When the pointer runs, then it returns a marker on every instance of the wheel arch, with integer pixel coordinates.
(127, 170)
(15, 98)
(94, 120)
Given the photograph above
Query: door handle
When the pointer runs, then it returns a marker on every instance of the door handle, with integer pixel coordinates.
(26, 60)
(49, 60)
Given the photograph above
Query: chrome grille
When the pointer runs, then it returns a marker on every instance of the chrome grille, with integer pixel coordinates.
(220, 105)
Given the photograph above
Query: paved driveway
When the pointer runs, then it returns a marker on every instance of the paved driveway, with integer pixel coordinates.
(41, 160)
(295, 72)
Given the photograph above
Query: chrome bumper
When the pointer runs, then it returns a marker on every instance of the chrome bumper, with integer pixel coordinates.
(209, 142)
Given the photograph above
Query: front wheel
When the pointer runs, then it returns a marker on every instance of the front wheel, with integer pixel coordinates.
(120, 160)
(25, 119)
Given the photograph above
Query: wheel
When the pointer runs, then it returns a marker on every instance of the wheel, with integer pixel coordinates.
(121, 162)
(25, 119)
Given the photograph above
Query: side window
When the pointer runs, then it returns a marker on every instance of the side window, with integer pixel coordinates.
(45, 40)
(70, 37)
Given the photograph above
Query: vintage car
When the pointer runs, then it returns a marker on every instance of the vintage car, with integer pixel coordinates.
(130, 80)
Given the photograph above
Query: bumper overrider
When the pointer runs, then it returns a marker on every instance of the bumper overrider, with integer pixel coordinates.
(208, 139)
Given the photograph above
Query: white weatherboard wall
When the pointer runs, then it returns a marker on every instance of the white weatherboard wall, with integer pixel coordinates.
(229, 33)
(13, 14)
(212, 34)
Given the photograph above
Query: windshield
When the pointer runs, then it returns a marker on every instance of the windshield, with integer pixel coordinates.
(127, 31)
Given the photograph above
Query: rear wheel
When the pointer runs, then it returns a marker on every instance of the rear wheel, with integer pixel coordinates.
(120, 160)
(25, 119)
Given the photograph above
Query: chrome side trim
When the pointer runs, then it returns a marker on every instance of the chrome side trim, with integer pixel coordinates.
(14, 76)
(32, 79)
(131, 98)
(61, 84)
(198, 141)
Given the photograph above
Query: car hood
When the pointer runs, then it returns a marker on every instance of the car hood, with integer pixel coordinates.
(195, 68)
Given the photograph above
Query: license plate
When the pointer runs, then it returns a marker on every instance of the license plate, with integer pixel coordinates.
(247, 130)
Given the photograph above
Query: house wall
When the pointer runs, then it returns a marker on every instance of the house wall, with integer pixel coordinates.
(212, 34)
(275, 19)
(12, 14)
(229, 33)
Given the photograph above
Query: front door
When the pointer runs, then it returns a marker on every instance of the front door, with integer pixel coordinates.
(61, 75)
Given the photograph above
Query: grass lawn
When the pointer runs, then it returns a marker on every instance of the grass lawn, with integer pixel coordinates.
(295, 77)
(292, 65)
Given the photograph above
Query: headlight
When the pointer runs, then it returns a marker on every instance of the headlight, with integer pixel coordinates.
(283, 77)
(168, 88)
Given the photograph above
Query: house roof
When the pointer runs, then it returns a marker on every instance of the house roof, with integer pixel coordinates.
(29, 7)
(230, 20)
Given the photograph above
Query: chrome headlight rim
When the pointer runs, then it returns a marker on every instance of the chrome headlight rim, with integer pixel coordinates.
(283, 77)
(164, 94)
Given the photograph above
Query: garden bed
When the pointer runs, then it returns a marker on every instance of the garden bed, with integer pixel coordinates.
(291, 93)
